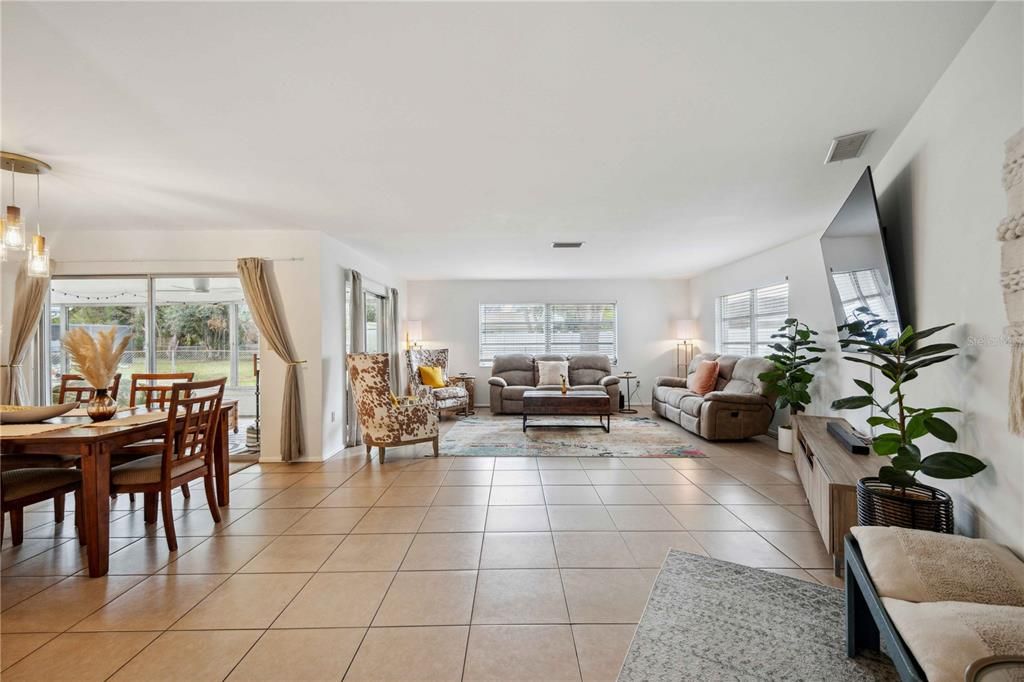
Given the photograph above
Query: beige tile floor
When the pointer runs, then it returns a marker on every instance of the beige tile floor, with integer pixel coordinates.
(418, 569)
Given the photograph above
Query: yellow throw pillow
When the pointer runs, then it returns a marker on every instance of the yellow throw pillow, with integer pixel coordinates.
(432, 376)
(394, 399)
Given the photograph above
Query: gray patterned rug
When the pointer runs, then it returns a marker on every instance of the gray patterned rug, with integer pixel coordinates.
(502, 436)
(715, 620)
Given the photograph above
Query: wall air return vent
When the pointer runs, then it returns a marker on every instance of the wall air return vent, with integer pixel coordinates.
(847, 147)
(566, 245)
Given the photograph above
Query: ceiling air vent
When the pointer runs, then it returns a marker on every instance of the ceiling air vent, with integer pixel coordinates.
(566, 245)
(847, 147)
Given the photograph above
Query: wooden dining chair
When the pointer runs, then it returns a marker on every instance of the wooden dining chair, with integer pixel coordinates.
(187, 454)
(153, 390)
(150, 390)
(21, 487)
(74, 388)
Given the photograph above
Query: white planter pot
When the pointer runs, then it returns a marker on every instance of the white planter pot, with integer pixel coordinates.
(785, 439)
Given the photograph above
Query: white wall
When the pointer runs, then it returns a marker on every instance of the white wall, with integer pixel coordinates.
(449, 310)
(335, 258)
(941, 179)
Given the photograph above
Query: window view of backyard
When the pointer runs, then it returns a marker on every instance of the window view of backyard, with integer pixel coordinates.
(201, 325)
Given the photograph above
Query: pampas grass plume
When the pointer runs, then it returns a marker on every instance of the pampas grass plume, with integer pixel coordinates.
(96, 359)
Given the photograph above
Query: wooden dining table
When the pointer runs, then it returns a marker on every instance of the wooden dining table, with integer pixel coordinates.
(93, 444)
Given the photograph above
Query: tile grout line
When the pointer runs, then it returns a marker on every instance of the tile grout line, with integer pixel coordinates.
(476, 583)
(561, 581)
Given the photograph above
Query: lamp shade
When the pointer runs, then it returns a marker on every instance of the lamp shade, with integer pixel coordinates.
(414, 329)
(686, 329)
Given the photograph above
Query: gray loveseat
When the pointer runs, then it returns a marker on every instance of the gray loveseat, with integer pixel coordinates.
(739, 407)
(513, 374)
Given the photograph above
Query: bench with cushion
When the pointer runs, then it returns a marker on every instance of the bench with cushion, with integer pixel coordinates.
(948, 608)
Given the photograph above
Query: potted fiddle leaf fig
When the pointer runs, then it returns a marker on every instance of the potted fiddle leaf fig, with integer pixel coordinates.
(895, 497)
(790, 379)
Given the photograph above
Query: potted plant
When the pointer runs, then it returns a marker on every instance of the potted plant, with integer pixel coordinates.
(96, 359)
(789, 379)
(895, 497)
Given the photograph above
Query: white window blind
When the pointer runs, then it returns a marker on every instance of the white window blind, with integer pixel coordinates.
(565, 328)
(863, 288)
(746, 320)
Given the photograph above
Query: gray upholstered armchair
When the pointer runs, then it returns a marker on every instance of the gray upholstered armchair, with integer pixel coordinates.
(449, 397)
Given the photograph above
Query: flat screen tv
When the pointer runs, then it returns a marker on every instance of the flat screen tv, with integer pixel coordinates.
(860, 279)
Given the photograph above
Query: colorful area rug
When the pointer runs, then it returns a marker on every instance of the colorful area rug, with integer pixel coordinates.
(502, 436)
(714, 620)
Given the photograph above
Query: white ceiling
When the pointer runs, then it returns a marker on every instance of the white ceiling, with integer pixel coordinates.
(458, 140)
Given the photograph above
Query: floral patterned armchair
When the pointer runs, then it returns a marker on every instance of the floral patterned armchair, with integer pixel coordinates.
(452, 396)
(384, 423)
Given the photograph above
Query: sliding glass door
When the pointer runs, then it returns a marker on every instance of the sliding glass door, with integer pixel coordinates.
(97, 304)
(374, 317)
(198, 324)
(203, 326)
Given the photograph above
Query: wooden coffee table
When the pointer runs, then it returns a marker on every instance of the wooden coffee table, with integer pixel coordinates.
(571, 404)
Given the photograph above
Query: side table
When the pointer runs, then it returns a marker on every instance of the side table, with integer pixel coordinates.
(627, 377)
(469, 382)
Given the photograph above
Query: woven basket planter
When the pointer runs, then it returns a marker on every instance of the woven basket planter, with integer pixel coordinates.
(917, 506)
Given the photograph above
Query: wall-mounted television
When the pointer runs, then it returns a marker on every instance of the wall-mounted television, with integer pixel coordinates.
(860, 279)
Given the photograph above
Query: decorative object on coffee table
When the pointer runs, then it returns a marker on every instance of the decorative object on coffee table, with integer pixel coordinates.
(1011, 233)
(572, 404)
(790, 380)
(96, 360)
(896, 497)
(627, 377)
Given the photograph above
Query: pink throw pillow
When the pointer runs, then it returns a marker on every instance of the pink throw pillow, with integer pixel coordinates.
(703, 380)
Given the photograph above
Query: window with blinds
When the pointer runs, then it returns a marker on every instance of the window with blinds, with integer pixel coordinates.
(863, 288)
(565, 328)
(747, 320)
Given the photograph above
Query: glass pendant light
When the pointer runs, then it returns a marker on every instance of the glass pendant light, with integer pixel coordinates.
(39, 256)
(14, 228)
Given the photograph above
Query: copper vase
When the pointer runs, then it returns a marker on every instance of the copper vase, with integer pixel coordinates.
(101, 406)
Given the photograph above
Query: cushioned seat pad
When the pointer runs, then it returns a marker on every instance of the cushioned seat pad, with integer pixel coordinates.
(674, 396)
(946, 637)
(19, 483)
(450, 393)
(921, 566)
(147, 470)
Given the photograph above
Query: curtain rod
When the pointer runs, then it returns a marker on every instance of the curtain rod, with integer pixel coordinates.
(172, 260)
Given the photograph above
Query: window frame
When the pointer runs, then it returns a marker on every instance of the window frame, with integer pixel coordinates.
(753, 316)
(548, 327)
(44, 337)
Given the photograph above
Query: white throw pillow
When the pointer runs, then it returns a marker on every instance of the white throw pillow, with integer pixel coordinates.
(549, 372)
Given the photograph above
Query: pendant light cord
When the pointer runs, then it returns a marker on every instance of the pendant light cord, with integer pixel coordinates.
(37, 204)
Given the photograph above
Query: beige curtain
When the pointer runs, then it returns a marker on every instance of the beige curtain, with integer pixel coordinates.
(29, 295)
(256, 285)
(356, 316)
(390, 339)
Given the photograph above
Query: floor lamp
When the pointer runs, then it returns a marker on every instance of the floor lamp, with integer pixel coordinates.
(685, 332)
